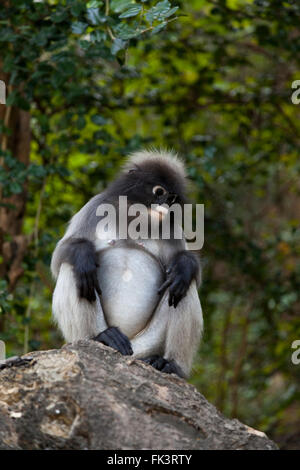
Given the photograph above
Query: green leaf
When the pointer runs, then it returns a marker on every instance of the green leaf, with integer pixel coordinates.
(134, 10)
(98, 36)
(59, 16)
(37, 171)
(84, 44)
(57, 79)
(120, 5)
(15, 188)
(98, 119)
(41, 38)
(94, 4)
(95, 17)
(11, 98)
(79, 27)
(77, 8)
(80, 123)
(126, 31)
(159, 11)
(118, 45)
(171, 12)
(159, 27)
(102, 135)
(7, 35)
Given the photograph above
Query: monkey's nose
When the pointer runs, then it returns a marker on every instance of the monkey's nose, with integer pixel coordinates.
(172, 198)
(161, 210)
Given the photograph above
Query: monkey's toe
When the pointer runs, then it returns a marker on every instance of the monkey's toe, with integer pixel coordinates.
(114, 338)
(163, 365)
(155, 361)
(171, 367)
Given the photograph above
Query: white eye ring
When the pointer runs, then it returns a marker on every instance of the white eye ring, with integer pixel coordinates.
(159, 190)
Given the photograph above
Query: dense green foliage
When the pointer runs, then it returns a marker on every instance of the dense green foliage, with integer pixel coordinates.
(213, 80)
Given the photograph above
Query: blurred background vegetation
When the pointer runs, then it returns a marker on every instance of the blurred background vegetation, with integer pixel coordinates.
(89, 82)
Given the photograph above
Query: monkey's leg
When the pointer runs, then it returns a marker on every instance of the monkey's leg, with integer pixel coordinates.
(79, 318)
(76, 317)
(184, 330)
(151, 341)
(173, 336)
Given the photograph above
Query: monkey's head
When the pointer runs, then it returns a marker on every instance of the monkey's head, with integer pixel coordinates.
(152, 177)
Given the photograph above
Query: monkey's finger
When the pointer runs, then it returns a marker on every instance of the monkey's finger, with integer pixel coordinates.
(105, 338)
(171, 300)
(83, 286)
(177, 299)
(172, 368)
(174, 292)
(89, 294)
(125, 342)
(96, 284)
(80, 287)
(124, 339)
(116, 342)
(91, 286)
(164, 286)
(86, 292)
(121, 341)
(159, 363)
(174, 299)
(181, 291)
(150, 360)
(171, 267)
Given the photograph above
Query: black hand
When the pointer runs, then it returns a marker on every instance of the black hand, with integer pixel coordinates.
(87, 283)
(114, 338)
(164, 365)
(180, 273)
(81, 254)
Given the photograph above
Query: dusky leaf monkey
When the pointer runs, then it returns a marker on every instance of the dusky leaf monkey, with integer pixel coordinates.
(137, 296)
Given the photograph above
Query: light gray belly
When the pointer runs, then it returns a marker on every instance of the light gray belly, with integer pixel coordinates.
(129, 280)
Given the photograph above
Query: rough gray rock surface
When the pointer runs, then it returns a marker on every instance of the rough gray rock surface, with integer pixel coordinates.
(87, 396)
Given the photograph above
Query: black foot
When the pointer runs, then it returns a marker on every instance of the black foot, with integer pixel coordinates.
(164, 365)
(15, 361)
(114, 338)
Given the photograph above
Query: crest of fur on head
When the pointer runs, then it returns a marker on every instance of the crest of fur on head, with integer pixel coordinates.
(141, 159)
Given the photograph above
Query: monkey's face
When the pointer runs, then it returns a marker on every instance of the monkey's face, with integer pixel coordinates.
(149, 193)
(155, 185)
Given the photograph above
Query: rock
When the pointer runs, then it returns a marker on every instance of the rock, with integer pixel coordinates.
(88, 396)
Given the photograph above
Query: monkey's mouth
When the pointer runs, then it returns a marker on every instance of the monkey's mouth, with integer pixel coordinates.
(158, 212)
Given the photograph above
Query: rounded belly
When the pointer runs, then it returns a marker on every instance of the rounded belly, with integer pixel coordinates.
(129, 279)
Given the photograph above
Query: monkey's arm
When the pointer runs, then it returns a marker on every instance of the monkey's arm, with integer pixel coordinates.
(171, 341)
(80, 319)
(76, 306)
(182, 270)
(78, 250)
(80, 253)
(184, 331)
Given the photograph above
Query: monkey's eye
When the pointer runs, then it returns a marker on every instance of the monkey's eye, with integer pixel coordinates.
(159, 191)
